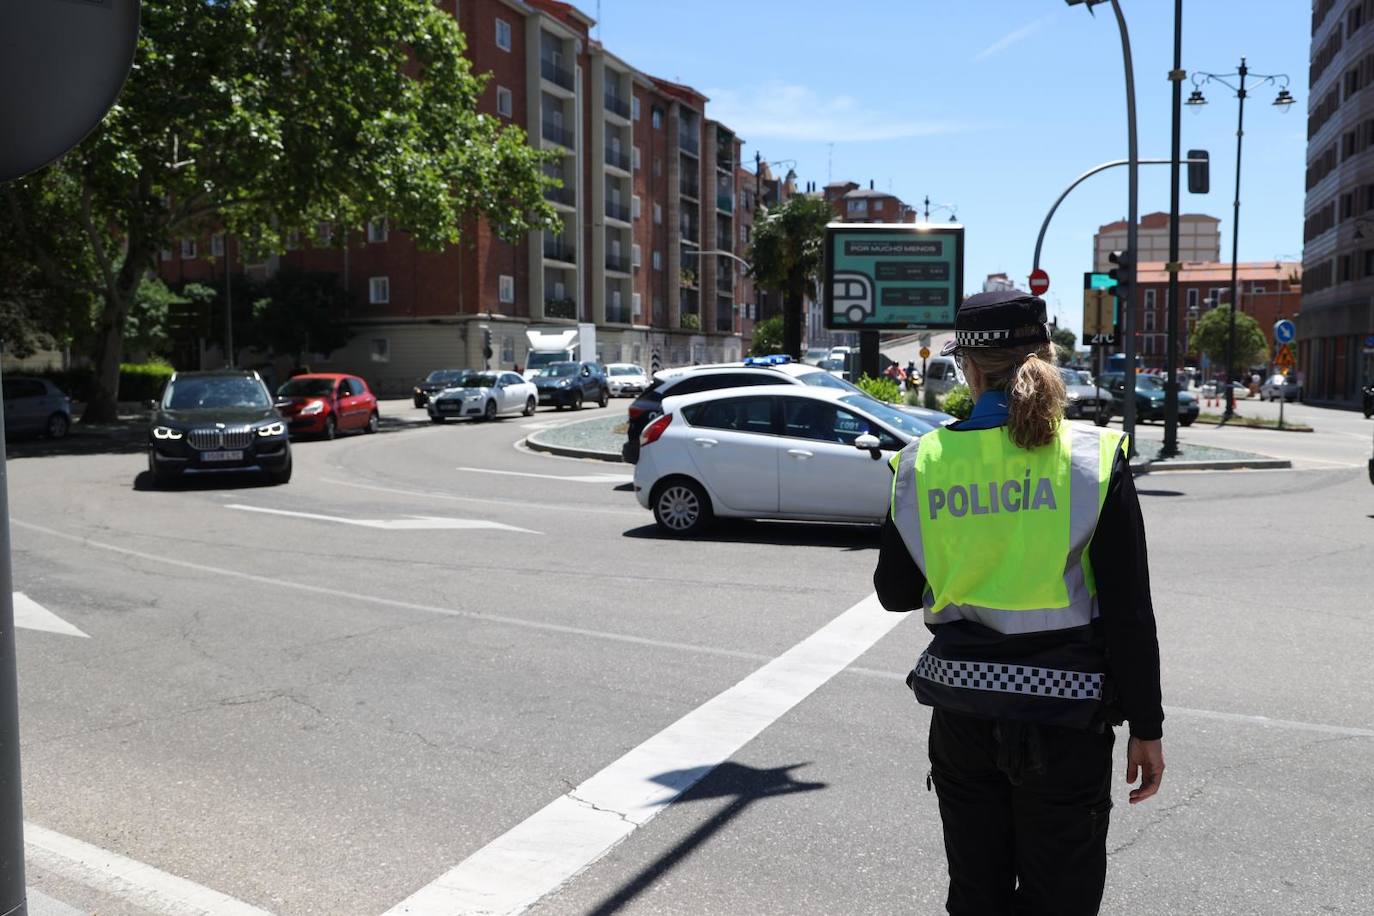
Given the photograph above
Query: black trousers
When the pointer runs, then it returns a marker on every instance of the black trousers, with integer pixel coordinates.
(1025, 811)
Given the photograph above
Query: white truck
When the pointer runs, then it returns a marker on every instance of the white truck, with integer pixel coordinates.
(558, 344)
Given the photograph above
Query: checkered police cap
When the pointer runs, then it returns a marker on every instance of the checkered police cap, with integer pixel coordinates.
(1003, 318)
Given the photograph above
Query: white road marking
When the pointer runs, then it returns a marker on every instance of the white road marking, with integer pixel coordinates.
(413, 523)
(508, 503)
(584, 478)
(31, 615)
(537, 856)
(129, 880)
(1345, 730)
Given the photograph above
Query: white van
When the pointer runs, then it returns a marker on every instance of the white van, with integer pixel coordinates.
(942, 374)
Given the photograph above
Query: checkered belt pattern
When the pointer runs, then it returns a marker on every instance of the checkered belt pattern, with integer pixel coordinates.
(1023, 679)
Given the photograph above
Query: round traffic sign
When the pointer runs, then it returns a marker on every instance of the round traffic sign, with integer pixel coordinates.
(925, 353)
(1285, 331)
(1039, 282)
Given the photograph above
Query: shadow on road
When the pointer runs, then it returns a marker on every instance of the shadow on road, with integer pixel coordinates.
(1159, 493)
(743, 785)
(106, 440)
(202, 481)
(782, 534)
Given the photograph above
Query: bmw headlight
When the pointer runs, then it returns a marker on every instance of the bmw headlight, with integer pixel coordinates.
(272, 429)
(314, 407)
(166, 432)
(1074, 395)
(565, 383)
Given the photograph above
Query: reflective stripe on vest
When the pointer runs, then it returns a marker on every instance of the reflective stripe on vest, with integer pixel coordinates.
(1000, 532)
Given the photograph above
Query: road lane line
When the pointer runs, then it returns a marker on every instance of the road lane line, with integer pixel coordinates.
(1345, 730)
(507, 503)
(128, 879)
(582, 478)
(411, 523)
(552, 846)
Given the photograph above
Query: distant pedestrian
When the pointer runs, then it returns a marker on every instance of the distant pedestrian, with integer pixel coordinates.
(1021, 538)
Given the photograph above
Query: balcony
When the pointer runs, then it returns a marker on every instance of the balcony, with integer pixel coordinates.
(565, 307)
(618, 263)
(616, 159)
(559, 250)
(690, 310)
(559, 134)
(725, 278)
(616, 211)
(691, 233)
(565, 196)
(725, 316)
(559, 76)
(689, 188)
(725, 203)
(617, 314)
(688, 141)
(617, 105)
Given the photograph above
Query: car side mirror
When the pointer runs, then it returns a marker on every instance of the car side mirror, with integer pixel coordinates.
(869, 443)
(281, 403)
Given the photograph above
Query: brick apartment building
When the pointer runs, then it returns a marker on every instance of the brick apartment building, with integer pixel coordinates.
(1337, 318)
(854, 204)
(1269, 290)
(650, 183)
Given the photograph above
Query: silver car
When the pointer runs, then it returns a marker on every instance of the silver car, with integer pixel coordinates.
(1085, 401)
(1280, 386)
(35, 405)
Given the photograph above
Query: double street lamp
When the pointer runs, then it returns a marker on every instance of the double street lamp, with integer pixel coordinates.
(1284, 101)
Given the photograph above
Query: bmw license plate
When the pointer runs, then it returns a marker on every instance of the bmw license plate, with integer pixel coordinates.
(221, 456)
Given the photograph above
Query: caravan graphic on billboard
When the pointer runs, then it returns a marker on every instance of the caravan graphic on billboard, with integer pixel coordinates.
(892, 276)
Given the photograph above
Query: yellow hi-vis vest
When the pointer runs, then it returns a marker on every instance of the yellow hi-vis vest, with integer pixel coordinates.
(1001, 534)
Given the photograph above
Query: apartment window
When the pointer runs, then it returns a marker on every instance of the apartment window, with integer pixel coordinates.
(506, 289)
(658, 214)
(858, 207)
(1256, 289)
(615, 299)
(503, 34)
(376, 230)
(635, 159)
(379, 349)
(877, 206)
(1149, 317)
(634, 207)
(507, 349)
(1150, 300)
(504, 102)
(188, 249)
(657, 118)
(1192, 300)
(166, 254)
(324, 233)
(293, 240)
(636, 255)
(658, 260)
(634, 107)
(379, 290)
(217, 245)
(744, 235)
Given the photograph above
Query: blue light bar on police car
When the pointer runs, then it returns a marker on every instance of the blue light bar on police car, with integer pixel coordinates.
(776, 359)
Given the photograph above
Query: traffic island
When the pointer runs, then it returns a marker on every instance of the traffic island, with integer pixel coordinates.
(1203, 458)
(599, 438)
(1254, 423)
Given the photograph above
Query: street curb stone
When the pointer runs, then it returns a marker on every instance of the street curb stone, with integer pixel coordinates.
(534, 443)
(1242, 464)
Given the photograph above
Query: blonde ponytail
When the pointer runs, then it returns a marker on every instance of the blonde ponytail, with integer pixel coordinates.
(1035, 391)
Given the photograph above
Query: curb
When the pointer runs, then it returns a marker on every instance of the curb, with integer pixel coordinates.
(1229, 464)
(533, 443)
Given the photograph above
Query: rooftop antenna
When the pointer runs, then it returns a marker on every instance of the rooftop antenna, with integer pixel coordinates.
(598, 20)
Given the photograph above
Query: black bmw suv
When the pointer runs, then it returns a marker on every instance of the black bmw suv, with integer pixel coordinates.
(217, 421)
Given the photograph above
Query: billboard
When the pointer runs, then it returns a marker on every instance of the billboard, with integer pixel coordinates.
(892, 276)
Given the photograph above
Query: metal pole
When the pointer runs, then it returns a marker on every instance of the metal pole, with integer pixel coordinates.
(228, 304)
(758, 178)
(1132, 230)
(1170, 449)
(1235, 252)
(12, 888)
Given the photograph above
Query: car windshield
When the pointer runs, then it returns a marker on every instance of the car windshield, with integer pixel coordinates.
(888, 414)
(560, 370)
(830, 365)
(824, 379)
(477, 380)
(1084, 377)
(445, 376)
(203, 393)
(626, 370)
(1149, 381)
(1070, 377)
(307, 388)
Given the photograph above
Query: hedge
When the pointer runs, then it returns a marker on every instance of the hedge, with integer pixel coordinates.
(137, 381)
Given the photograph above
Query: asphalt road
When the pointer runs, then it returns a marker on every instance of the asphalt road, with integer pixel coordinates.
(322, 697)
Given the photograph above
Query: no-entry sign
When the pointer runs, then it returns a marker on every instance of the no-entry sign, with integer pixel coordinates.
(1039, 282)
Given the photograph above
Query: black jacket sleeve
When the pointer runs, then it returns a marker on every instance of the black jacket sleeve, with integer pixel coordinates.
(1122, 570)
(898, 581)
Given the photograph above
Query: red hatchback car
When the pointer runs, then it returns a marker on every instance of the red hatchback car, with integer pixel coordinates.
(326, 404)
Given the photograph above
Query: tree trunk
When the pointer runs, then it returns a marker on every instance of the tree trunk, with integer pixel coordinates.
(107, 356)
(792, 322)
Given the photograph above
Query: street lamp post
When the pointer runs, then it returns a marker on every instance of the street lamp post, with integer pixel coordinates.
(1283, 102)
(949, 208)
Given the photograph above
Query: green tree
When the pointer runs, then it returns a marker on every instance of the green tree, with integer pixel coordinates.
(1210, 335)
(767, 337)
(299, 314)
(270, 117)
(1064, 343)
(786, 254)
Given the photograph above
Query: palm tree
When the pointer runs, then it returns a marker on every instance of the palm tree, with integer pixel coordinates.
(787, 254)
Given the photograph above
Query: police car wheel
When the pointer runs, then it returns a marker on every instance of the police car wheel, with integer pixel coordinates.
(681, 507)
(529, 407)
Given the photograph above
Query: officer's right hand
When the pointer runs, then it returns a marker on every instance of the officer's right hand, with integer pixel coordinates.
(1144, 759)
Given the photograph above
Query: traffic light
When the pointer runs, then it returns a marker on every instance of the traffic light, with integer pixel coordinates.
(486, 343)
(1122, 271)
(1199, 173)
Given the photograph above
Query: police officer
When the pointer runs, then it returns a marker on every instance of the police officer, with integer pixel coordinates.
(1021, 537)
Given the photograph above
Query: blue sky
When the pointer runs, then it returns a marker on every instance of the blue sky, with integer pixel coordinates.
(994, 106)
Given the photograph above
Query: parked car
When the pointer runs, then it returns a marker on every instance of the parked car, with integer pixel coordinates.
(216, 421)
(1217, 389)
(1149, 397)
(626, 379)
(571, 384)
(814, 355)
(484, 395)
(773, 451)
(1280, 386)
(758, 370)
(434, 383)
(36, 406)
(1085, 401)
(326, 404)
(942, 374)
